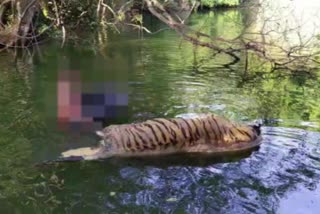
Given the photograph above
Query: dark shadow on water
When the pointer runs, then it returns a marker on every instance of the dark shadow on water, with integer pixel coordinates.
(165, 161)
(159, 161)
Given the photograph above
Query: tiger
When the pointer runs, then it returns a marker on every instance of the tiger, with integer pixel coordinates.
(207, 133)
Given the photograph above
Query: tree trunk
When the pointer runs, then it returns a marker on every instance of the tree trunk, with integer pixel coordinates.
(16, 22)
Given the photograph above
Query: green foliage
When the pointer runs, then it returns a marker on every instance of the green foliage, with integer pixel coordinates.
(219, 3)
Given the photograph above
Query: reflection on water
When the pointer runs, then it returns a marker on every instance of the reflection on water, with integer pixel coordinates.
(148, 78)
(305, 200)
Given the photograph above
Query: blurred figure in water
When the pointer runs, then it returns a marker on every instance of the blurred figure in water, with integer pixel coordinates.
(89, 106)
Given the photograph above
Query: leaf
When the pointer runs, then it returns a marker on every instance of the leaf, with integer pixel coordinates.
(45, 12)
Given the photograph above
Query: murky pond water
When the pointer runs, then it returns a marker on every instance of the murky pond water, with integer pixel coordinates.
(54, 99)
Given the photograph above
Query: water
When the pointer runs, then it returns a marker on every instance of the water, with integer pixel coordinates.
(154, 76)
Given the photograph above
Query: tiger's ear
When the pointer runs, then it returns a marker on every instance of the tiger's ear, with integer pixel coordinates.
(256, 128)
(256, 125)
(100, 133)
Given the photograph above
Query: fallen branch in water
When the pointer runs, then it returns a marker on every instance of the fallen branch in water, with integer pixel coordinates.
(290, 57)
(162, 14)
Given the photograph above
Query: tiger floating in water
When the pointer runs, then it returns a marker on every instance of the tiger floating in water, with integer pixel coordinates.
(210, 134)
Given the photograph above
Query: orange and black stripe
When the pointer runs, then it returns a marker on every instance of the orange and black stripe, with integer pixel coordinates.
(162, 133)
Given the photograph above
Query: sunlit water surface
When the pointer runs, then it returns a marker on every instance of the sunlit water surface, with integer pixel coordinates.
(48, 102)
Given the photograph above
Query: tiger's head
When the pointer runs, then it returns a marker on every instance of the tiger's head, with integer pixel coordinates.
(256, 128)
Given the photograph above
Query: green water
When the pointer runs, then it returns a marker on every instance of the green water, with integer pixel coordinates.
(156, 76)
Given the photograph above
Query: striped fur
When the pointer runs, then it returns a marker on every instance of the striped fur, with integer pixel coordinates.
(207, 134)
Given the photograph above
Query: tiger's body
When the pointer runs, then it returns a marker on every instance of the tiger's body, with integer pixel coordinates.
(204, 134)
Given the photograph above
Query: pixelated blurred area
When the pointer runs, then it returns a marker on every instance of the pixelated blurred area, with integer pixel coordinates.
(89, 106)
